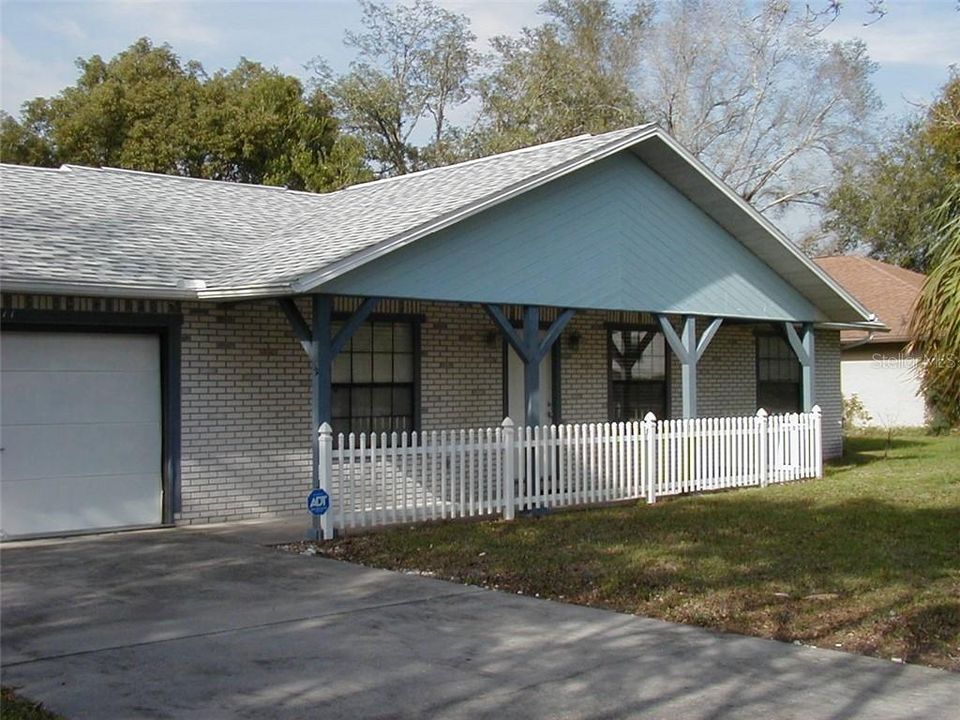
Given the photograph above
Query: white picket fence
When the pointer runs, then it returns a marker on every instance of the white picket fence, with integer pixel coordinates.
(379, 479)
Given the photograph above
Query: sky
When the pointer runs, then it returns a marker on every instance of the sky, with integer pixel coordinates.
(914, 44)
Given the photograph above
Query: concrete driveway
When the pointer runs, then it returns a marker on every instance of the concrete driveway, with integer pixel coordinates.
(208, 624)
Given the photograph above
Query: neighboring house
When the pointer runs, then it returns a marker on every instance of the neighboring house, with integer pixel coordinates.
(155, 328)
(875, 366)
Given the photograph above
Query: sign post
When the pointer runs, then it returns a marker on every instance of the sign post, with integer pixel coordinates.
(318, 501)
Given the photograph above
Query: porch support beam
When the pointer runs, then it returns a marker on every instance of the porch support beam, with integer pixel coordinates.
(353, 324)
(299, 325)
(805, 350)
(322, 347)
(506, 329)
(689, 351)
(531, 350)
(531, 364)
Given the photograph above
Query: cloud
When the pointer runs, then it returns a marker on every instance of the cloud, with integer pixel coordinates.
(915, 35)
(62, 26)
(25, 78)
(174, 22)
(498, 17)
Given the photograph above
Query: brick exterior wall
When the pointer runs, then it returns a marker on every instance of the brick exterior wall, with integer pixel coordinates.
(461, 356)
(245, 388)
(826, 390)
(245, 394)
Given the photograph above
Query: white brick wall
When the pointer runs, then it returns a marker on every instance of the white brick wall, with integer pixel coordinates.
(246, 389)
(826, 388)
(245, 394)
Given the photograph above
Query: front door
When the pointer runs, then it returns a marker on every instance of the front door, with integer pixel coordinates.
(515, 405)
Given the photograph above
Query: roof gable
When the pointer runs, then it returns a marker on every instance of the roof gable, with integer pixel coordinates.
(613, 235)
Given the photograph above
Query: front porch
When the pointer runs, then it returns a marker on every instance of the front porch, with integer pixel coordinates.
(366, 398)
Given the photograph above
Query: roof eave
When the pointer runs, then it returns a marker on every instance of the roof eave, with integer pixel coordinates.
(873, 326)
(90, 289)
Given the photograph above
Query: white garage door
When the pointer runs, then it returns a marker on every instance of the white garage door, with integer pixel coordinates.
(81, 425)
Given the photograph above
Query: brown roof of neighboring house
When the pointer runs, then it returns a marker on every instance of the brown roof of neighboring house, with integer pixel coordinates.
(887, 290)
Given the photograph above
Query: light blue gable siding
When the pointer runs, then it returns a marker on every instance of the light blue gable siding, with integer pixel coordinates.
(614, 235)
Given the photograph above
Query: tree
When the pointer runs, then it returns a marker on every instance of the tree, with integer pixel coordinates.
(884, 202)
(757, 95)
(568, 76)
(135, 111)
(936, 319)
(145, 110)
(23, 144)
(259, 127)
(413, 63)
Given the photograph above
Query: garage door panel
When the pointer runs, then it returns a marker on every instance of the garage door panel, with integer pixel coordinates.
(37, 451)
(80, 351)
(81, 430)
(54, 505)
(87, 397)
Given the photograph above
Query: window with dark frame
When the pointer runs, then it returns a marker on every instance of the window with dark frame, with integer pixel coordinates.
(637, 371)
(374, 379)
(778, 375)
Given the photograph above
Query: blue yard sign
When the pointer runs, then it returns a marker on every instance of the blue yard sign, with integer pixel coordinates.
(318, 501)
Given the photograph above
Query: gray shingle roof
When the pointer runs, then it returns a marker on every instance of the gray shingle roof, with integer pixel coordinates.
(107, 227)
(106, 231)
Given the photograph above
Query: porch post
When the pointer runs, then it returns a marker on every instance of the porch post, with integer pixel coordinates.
(322, 347)
(530, 349)
(688, 351)
(805, 350)
(688, 367)
(321, 390)
(809, 369)
(531, 365)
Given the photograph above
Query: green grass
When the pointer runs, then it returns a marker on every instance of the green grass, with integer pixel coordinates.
(866, 560)
(16, 707)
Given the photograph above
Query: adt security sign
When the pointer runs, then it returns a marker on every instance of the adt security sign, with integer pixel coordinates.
(318, 501)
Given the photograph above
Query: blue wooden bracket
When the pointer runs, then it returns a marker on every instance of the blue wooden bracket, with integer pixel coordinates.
(689, 351)
(509, 332)
(707, 336)
(797, 343)
(554, 332)
(304, 334)
(803, 347)
(359, 316)
(676, 344)
(300, 328)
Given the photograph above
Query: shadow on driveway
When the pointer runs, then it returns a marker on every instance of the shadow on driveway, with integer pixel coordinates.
(188, 624)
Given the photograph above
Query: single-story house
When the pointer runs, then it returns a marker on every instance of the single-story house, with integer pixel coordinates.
(876, 367)
(170, 346)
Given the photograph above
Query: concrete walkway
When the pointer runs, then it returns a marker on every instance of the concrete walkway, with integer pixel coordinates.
(208, 624)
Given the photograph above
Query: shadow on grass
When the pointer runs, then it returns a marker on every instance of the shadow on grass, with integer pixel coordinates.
(861, 450)
(728, 541)
(759, 562)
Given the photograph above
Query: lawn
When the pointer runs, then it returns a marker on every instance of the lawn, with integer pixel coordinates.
(17, 707)
(866, 560)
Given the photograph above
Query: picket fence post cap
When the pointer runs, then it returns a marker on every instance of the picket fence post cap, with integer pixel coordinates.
(650, 417)
(816, 410)
(762, 413)
(325, 429)
(507, 422)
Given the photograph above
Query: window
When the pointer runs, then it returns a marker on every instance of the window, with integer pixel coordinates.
(373, 379)
(778, 375)
(637, 374)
